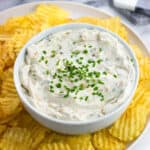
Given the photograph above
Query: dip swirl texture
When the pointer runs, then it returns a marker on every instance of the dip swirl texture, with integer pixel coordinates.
(77, 74)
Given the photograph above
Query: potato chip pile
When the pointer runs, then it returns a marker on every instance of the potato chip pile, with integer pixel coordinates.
(18, 131)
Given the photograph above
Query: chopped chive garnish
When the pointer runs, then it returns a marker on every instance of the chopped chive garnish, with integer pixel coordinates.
(81, 58)
(51, 90)
(46, 61)
(131, 60)
(95, 88)
(100, 49)
(53, 53)
(85, 51)
(57, 63)
(99, 61)
(86, 98)
(97, 74)
(58, 85)
(81, 98)
(100, 82)
(90, 46)
(114, 75)
(105, 73)
(47, 72)
(90, 61)
(44, 52)
(41, 59)
(76, 52)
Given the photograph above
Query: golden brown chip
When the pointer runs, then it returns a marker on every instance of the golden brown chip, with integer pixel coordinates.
(102, 140)
(16, 139)
(2, 128)
(8, 106)
(21, 29)
(130, 124)
(21, 138)
(144, 64)
(10, 117)
(138, 95)
(76, 143)
(24, 120)
(145, 102)
(54, 146)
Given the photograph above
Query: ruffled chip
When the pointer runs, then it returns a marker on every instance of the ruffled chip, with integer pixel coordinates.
(54, 146)
(130, 125)
(80, 142)
(16, 139)
(102, 140)
(2, 128)
(144, 64)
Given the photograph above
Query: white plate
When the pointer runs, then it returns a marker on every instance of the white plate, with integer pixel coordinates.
(78, 10)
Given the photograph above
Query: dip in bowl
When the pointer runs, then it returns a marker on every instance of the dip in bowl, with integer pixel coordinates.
(76, 78)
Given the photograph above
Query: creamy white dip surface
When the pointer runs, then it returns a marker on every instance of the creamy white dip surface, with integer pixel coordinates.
(77, 74)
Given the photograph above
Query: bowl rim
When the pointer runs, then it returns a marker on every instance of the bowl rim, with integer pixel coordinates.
(56, 29)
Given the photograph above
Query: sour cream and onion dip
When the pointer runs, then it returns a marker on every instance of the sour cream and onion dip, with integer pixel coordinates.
(77, 74)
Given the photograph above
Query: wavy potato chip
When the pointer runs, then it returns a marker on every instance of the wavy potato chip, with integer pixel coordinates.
(139, 93)
(8, 106)
(54, 140)
(21, 138)
(102, 140)
(144, 64)
(142, 95)
(130, 124)
(24, 121)
(145, 102)
(16, 139)
(76, 143)
(54, 146)
(2, 128)
(20, 29)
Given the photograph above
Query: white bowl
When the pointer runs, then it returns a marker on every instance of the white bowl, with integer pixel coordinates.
(73, 127)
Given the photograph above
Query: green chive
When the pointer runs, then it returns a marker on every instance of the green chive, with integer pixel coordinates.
(81, 98)
(58, 85)
(100, 49)
(100, 82)
(53, 53)
(97, 74)
(57, 63)
(47, 72)
(44, 52)
(105, 73)
(99, 61)
(76, 52)
(86, 98)
(52, 91)
(85, 51)
(114, 75)
(46, 61)
(95, 88)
